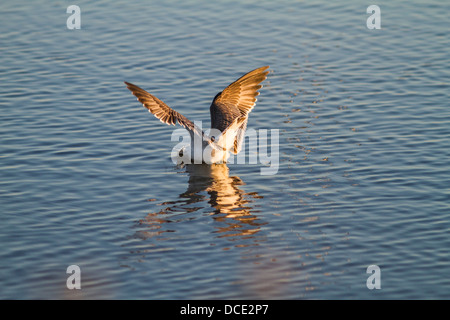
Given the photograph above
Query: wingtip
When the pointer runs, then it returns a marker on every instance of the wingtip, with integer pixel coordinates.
(261, 69)
(264, 70)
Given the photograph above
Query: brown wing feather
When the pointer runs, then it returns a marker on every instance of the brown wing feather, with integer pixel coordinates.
(236, 100)
(243, 92)
(160, 110)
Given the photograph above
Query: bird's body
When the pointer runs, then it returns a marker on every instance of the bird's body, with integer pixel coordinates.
(229, 115)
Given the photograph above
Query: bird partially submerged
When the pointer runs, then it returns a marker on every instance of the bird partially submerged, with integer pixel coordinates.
(229, 115)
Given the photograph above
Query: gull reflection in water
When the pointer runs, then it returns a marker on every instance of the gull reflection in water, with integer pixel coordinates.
(209, 187)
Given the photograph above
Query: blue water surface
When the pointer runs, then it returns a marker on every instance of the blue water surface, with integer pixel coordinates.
(87, 179)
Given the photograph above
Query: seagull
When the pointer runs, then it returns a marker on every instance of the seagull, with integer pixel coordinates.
(229, 110)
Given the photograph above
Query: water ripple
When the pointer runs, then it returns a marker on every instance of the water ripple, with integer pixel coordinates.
(87, 177)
